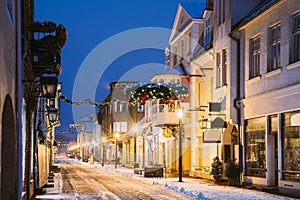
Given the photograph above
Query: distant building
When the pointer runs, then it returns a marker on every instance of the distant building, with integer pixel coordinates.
(116, 116)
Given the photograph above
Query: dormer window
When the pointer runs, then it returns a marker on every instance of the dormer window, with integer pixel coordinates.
(207, 32)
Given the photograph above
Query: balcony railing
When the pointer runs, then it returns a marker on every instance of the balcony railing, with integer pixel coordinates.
(45, 47)
(165, 114)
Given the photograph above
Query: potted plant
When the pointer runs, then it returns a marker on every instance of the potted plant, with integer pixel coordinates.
(232, 171)
(216, 169)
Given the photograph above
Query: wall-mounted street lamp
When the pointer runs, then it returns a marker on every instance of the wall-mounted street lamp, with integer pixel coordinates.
(52, 114)
(203, 123)
(117, 135)
(180, 115)
(48, 83)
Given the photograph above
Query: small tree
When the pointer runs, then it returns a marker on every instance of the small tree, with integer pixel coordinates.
(216, 168)
(232, 171)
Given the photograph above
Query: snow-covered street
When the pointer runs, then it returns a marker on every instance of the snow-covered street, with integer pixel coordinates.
(79, 180)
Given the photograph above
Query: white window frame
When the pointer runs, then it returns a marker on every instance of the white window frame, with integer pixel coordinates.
(224, 66)
(254, 57)
(218, 70)
(295, 31)
(207, 30)
(274, 44)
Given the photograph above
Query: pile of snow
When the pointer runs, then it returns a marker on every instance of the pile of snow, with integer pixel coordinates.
(197, 189)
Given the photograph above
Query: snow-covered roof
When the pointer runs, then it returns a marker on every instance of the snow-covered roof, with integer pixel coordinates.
(254, 13)
(195, 10)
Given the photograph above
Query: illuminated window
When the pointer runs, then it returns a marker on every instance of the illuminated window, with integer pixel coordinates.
(255, 147)
(291, 148)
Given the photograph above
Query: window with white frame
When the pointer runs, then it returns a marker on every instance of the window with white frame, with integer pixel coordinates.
(116, 107)
(224, 66)
(254, 67)
(188, 43)
(274, 48)
(140, 108)
(120, 126)
(219, 69)
(295, 46)
(174, 53)
(221, 72)
(207, 33)
(123, 107)
(181, 48)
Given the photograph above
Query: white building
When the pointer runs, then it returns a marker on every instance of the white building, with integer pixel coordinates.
(270, 61)
(161, 128)
(96, 138)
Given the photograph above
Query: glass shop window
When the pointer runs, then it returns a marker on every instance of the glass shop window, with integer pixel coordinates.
(291, 146)
(255, 147)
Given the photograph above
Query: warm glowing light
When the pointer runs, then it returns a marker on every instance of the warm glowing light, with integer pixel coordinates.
(295, 120)
(180, 113)
(117, 135)
(73, 148)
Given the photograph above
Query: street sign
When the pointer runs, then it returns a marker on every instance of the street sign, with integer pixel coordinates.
(212, 136)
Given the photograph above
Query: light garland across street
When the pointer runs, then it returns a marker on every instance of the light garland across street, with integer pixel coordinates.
(140, 92)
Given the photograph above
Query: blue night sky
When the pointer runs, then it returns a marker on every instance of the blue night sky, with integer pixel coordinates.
(91, 22)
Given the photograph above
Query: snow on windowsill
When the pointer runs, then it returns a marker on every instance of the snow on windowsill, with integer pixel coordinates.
(273, 72)
(293, 65)
(252, 80)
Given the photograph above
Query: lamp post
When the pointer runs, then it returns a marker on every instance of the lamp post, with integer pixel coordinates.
(117, 135)
(180, 114)
(103, 153)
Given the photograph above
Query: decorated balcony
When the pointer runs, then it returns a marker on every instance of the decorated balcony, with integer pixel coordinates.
(45, 47)
(163, 114)
(161, 100)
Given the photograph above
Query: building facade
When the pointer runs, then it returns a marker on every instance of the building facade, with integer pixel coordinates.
(269, 55)
(116, 118)
(10, 95)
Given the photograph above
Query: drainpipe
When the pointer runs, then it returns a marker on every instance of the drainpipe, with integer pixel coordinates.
(237, 103)
(18, 102)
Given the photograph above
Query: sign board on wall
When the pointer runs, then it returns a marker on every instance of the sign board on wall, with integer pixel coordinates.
(212, 136)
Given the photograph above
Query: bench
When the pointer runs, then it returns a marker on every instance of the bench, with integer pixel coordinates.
(154, 172)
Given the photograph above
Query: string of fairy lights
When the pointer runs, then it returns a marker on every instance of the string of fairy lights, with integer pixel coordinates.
(140, 93)
(88, 100)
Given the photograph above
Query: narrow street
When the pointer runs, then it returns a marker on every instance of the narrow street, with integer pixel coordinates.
(81, 181)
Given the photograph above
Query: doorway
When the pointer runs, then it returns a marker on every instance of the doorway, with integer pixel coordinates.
(9, 152)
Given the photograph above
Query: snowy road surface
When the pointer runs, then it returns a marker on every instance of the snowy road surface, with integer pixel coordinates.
(90, 182)
(79, 180)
